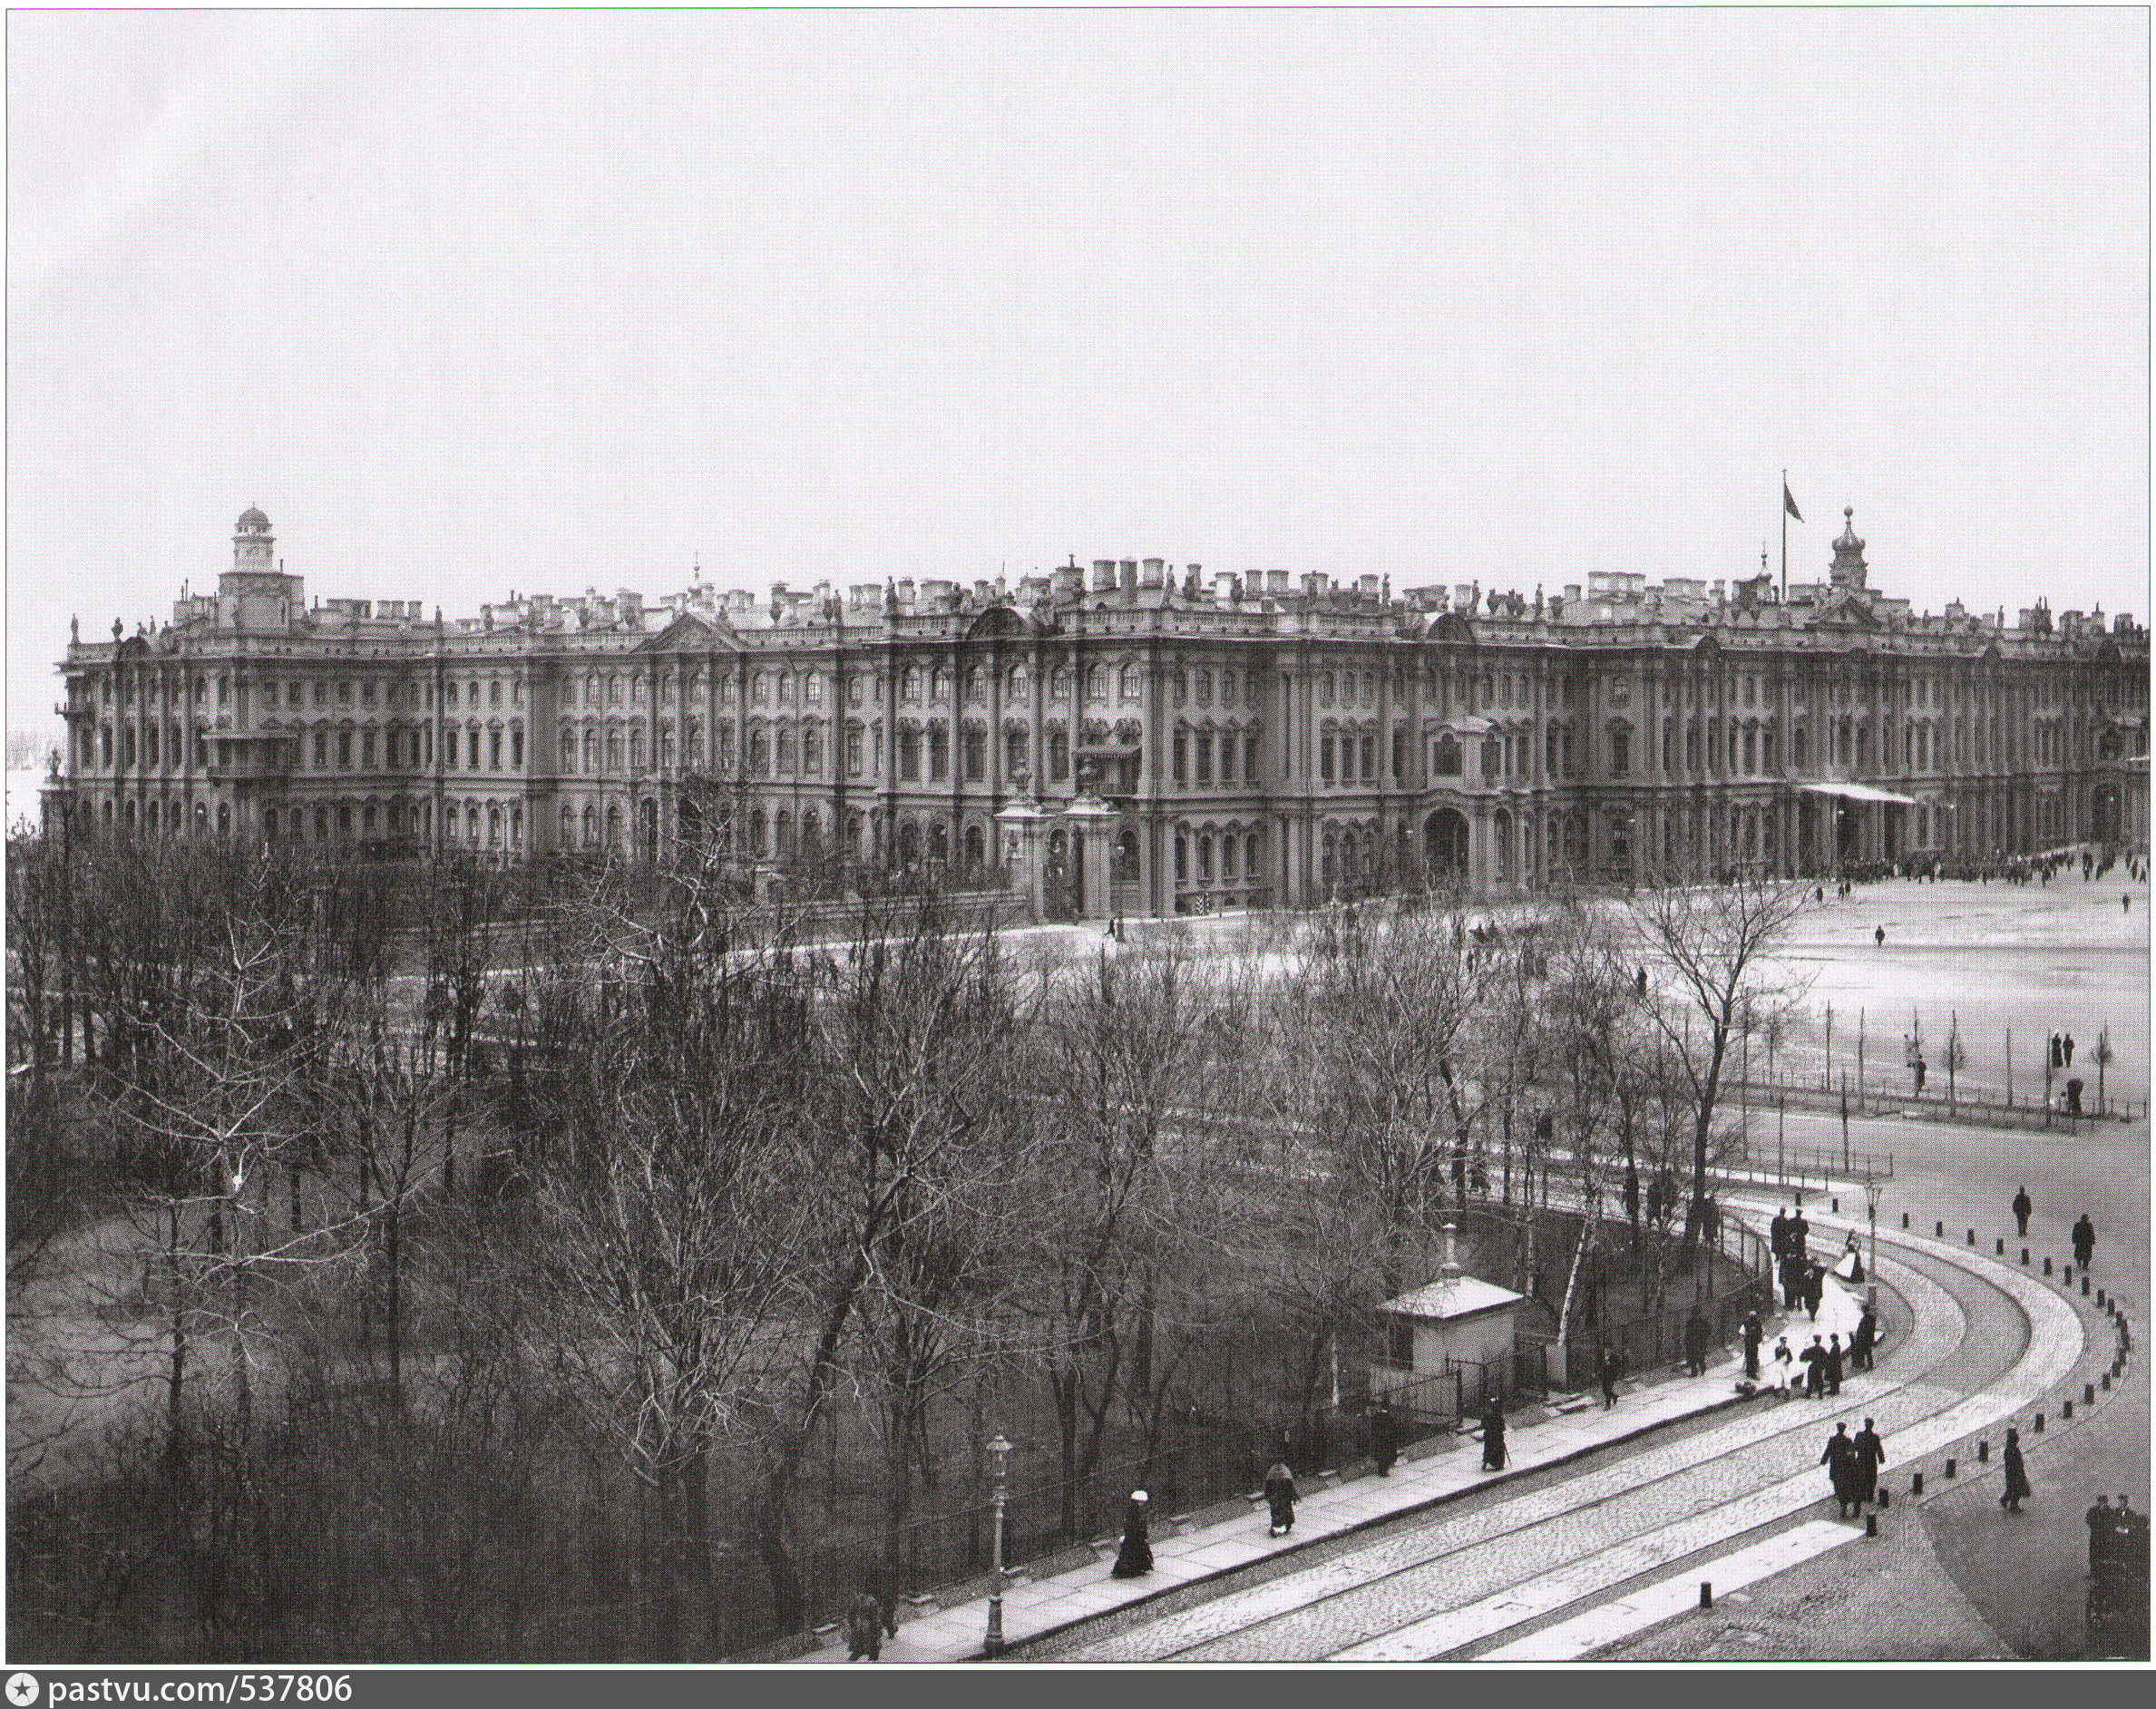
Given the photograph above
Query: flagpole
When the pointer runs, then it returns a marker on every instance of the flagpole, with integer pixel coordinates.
(1785, 536)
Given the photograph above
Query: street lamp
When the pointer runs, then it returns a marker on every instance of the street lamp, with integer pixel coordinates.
(1871, 1210)
(999, 1452)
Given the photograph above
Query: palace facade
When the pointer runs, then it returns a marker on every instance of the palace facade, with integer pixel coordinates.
(1257, 741)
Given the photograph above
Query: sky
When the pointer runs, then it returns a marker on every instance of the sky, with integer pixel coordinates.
(471, 302)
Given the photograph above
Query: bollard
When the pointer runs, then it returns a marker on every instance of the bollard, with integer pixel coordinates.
(1871, 1525)
(1938, 1231)
(2025, 1257)
(1835, 1204)
(2066, 1408)
(1983, 1453)
(1915, 1483)
(2107, 1382)
(2039, 1423)
(2001, 1253)
(2085, 1284)
(1905, 1219)
(1950, 1466)
(2088, 1394)
(2047, 1265)
(1886, 1497)
(2100, 1304)
(2066, 1274)
(1706, 1594)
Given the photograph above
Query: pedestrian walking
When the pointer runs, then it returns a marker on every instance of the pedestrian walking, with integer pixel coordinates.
(1878, 935)
(1841, 1461)
(1280, 1498)
(1833, 1364)
(1384, 1438)
(1752, 1334)
(1815, 1288)
(1792, 1280)
(1493, 1435)
(1923, 1073)
(2074, 1088)
(1814, 1361)
(1610, 1368)
(2023, 1206)
(2102, 1532)
(1134, 1560)
(1871, 1454)
(1695, 1344)
(2017, 1475)
(1799, 1233)
(2085, 1241)
(1778, 1237)
(1784, 1362)
(1863, 1339)
(866, 1620)
(2067, 1047)
(2058, 1052)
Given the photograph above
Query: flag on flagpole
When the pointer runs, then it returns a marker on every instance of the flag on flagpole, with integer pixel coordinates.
(1789, 503)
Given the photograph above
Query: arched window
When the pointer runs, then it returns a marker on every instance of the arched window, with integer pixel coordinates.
(909, 843)
(939, 684)
(568, 824)
(939, 842)
(1133, 682)
(1250, 855)
(493, 827)
(786, 752)
(975, 847)
(1445, 760)
(1096, 683)
(591, 827)
(1205, 857)
(811, 753)
(636, 748)
(614, 842)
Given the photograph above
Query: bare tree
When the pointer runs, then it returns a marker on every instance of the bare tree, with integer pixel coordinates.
(1712, 944)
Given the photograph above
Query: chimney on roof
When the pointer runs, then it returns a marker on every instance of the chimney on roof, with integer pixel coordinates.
(1129, 582)
(1450, 1270)
(1276, 581)
(1151, 571)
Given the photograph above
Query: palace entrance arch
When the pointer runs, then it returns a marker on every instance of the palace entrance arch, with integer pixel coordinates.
(1445, 844)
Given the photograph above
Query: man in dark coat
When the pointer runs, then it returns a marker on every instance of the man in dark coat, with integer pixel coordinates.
(1792, 1280)
(1799, 1234)
(1814, 1361)
(1384, 1438)
(1778, 1234)
(1611, 1365)
(2023, 1206)
(866, 1622)
(1815, 1288)
(2085, 1241)
(1841, 1461)
(1134, 1560)
(2103, 1530)
(1834, 1364)
(1280, 1498)
(1871, 1454)
(1493, 1435)
(1695, 1345)
(1752, 1334)
(1863, 1339)
(2017, 1475)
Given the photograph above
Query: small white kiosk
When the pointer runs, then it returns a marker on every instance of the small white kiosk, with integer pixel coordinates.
(1457, 1322)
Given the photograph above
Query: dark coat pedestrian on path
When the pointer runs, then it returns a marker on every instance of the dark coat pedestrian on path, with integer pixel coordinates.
(1815, 1288)
(1384, 1438)
(1841, 1461)
(2066, 1048)
(1778, 1235)
(1871, 1454)
(2023, 1206)
(1134, 1560)
(1814, 1361)
(1834, 1364)
(1280, 1498)
(2085, 1241)
(1863, 1339)
(1493, 1435)
(2017, 1475)
(1799, 1234)
(1695, 1345)
(1752, 1335)
(867, 1620)
(2102, 1532)
(1611, 1366)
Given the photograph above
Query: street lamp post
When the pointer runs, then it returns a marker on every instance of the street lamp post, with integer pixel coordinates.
(1872, 1209)
(999, 1452)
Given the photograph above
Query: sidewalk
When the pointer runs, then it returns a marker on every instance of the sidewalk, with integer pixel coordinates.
(1333, 1504)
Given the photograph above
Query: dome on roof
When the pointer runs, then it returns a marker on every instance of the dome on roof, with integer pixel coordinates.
(252, 518)
(1849, 541)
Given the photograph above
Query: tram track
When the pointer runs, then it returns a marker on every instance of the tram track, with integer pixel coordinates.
(1437, 1585)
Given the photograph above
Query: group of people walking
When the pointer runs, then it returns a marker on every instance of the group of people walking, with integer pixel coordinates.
(1852, 1464)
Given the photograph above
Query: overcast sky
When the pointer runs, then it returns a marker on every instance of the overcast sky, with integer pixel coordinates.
(469, 302)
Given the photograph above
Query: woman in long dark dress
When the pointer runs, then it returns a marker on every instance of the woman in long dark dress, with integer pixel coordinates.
(1134, 1559)
(2017, 1475)
(1280, 1498)
(1841, 1461)
(1493, 1436)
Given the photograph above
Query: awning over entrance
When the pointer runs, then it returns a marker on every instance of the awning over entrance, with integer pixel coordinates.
(1859, 792)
